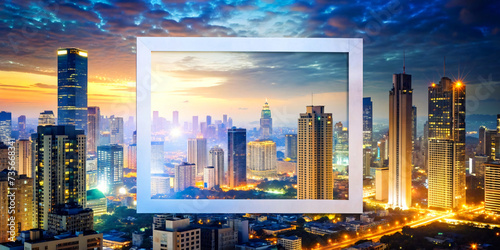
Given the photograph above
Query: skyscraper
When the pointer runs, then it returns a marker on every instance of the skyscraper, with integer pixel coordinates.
(184, 176)
(367, 122)
(46, 118)
(109, 165)
(116, 130)
(446, 138)
(175, 118)
(195, 125)
(157, 158)
(492, 187)
(413, 125)
(94, 115)
(237, 156)
(216, 159)
(197, 153)
(314, 154)
(209, 120)
(72, 87)
(21, 127)
(400, 120)
(23, 158)
(209, 177)
(261, 159)
(5, 126)
(59, 169)
(266, 122)
(291, 146)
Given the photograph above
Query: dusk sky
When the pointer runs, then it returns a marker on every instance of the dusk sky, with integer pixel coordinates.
(238, 84)
(466, 32)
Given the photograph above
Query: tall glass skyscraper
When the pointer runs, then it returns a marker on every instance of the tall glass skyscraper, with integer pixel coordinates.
(266, 122)
(367, 122)
(72, 87)
(237, 156)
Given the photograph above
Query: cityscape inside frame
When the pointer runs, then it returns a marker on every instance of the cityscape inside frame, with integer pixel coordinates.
(249, 125)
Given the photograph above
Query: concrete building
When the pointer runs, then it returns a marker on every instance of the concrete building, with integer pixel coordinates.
(209, 177)
(261, 159)
(70, 218)
(93, 118)
(215, 238)
(197, 154)
(381, 184)
(184, 176)
(216, 159)
(492, 187)
(37, 239)
(290, 243)
(176, 235)
(314, 156)
(47, 117)
(24, 158)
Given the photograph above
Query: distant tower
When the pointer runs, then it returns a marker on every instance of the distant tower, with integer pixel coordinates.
(237, 160)
(216, 159)
(21, 127)
(400, 121)
(367, 135)
(446, 145)
(72, 87)
(116, 129)
(291, 146)
(94, 115)
(46, 118)
(195, 125)
(314, 156)
(197, 154)
(266, 122)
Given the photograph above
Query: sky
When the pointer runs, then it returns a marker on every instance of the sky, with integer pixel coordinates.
(465, 32)
(238, 84)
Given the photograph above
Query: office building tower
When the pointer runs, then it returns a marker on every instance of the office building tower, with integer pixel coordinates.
(197, 154)
(224, 120)
(221, 132)
(381, 183)
(160, 184)
(383, 151)
(21, 127)
(229, 122)
(195, 125)
(261, 159)
(216, 159)
(110, 165)
(47, 117)
(341, 152)
(24, 157)
(4, 156)
(70, 218)
(59, 164)
(94, 115)
(400, 155)
(492, 187)
(92, 173)
(132, 156)
(185, 174)
(237, 156)
(157, 158)
(314, 154)
(489, 143)
(175, 118)
(209, 177)
(97, 201)
(425, 144)
(5, 126)
(209, 120)
(446, 144)
(218, 237)
(23, 189)
(104, 138)
(203, 129)
(176, 235)
(367, 122)
(367, 161)
(413, 125)
(241, 226)
(266, 122)
(116, 130)
(291, 146)
(72, 87)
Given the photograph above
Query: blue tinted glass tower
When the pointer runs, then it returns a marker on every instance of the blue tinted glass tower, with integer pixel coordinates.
(72, 87)
(237, 156)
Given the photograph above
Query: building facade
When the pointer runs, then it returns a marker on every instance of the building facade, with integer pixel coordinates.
(266, 122)
(237, 157)
(110, 165)
(261, 159)
(94, 115)
(185, 174)
(197, 154)
(216, 160)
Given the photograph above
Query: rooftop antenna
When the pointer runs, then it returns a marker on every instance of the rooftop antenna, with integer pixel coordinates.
(404, 61)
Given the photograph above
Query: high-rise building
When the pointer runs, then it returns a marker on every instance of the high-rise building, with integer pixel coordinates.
(237, 156)
(341, 145)
(175, 118)
(224, 120)
(209, 177)
(489, 141)
(400, 155)
(197, 154)
(492, 187)
(21, 127)
(266, 122)
(481, 145)
(195, 125)
(291, 146)
(261, 159)
(132, 156)
(72, 87)
(116, 130)
(160, 184)
(413, 125)
(216, 159)
(367, 161)
(60, 161)
(367, 122)
(218, 237)
(446, 138)
(209, 120)
(92, 173)
(157, 158)
(4, 156)
(109, 165)
(46, 118)
(5, 126)
(241, 226)
(70, 218)
(184, 176)
(94, 115)
(22, 188)
(381, 183)
(314, 154)
(176, 235)
(24, 157)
